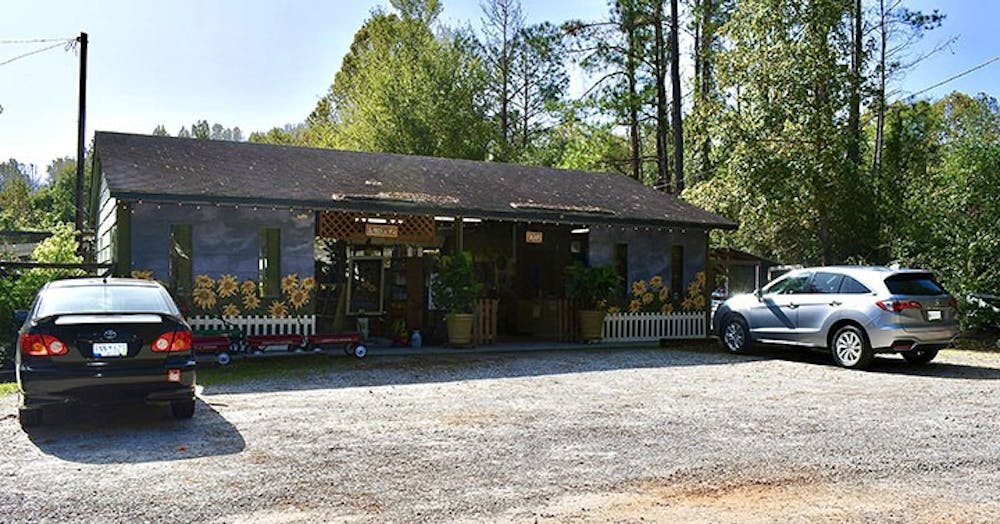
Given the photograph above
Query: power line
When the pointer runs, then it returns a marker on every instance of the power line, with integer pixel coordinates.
(68, 43)
(955, 77)
(36, 40)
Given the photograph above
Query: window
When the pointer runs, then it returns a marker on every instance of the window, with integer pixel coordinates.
(853, 287)
(181, 256)
(914, 284)
(621, 265)
(790, 285)
(677, 271)
(827, 283)
(104, 299)
(269, 262)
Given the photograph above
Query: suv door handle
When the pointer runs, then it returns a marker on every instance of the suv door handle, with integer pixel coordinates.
(793, 306)
(835, 303)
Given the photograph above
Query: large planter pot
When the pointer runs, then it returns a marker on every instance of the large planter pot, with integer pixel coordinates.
(459, 328)
(591, 324)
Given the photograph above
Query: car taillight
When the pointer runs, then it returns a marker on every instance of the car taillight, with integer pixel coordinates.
(897, 306)
(42, 345)
(953, 303)
(172, 341)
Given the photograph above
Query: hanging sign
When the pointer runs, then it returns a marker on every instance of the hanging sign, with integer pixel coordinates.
(381, 230)
(533, 237)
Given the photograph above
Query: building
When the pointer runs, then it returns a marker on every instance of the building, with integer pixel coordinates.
(235, 228)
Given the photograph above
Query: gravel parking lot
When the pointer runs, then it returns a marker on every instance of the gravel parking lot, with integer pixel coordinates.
(574, 436)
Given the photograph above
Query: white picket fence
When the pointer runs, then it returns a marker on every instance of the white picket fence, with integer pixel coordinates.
(259, 325)
(648, 327)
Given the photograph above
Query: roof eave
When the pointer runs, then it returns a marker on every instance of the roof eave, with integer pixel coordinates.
(414, 208)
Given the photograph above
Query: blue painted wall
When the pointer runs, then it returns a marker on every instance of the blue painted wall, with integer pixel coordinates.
(649, 251)
(225, 240)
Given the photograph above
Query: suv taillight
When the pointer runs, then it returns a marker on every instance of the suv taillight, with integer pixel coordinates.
(172, 341)
(42, 345)
(897, 306)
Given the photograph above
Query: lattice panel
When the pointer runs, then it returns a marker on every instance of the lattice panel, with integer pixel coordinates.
(351, 226)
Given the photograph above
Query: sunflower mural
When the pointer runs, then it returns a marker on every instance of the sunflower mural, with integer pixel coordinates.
(277, 309)
(229, 297)
(289, 282)
(204, 298)
(653, 296)
(695, 299)
(227, 286)
(248, 287)
(146, 274)
(142, 274)
(230, 311)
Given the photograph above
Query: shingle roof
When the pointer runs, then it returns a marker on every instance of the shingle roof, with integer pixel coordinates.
(208, 171)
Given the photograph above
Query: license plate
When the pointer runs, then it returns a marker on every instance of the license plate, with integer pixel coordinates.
(933, 314)
(110, 349)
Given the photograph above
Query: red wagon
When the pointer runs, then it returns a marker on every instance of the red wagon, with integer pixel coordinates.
(352, 342)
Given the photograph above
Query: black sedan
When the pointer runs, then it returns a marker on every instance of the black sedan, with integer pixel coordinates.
(99, 341)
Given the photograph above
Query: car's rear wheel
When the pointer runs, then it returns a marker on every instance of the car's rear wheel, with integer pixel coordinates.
(182, 408)
(850, 348)
(920, 356)
(735, 336)
(29, 418)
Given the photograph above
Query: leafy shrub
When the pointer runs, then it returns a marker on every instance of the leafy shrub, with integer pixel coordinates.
(18, 290)
(592, 286)
(456, 287)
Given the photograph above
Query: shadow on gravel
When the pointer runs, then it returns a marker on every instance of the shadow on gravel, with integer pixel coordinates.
(131, 434)
(343, 372)
(888, 364)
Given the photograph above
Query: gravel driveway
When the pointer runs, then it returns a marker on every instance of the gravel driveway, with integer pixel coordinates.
(574, 436)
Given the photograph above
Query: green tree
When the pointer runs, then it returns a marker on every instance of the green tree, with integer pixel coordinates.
(402, 89)
(56, 200)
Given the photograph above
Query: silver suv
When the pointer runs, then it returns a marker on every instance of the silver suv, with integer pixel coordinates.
(854, 311)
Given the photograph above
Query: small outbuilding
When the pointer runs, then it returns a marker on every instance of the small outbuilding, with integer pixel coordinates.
(332, 237)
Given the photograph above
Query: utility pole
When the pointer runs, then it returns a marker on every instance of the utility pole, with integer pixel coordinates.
(82, 39)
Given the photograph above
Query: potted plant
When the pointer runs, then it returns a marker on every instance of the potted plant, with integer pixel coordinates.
(455, 290)
(592, 287)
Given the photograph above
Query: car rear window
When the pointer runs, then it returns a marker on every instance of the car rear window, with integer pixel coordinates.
(914, 284)
(851, 286)
(104, 299)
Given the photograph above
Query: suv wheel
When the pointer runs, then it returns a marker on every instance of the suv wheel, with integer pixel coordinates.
(850, 348)
(919, 356)
(735, 336)
(29, 417)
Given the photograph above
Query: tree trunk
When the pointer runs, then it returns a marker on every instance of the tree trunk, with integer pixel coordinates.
(854, 111)
(703, 79)
(660, 66)
(675, 82)
(505, 63)
(880, 102)
(631, 64)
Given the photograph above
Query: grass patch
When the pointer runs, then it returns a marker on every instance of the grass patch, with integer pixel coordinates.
(8, 388)
(255, 369)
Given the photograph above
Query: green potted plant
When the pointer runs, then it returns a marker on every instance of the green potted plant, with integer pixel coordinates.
(455, 290)
(592, 287)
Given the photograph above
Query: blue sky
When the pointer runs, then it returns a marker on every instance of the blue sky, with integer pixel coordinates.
(258, 64)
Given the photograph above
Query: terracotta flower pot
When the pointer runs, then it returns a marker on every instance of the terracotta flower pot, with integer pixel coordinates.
(459, 328)
(591, 324)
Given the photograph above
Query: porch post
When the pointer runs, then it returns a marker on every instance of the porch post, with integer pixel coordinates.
(709, 284)
(459, 235)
